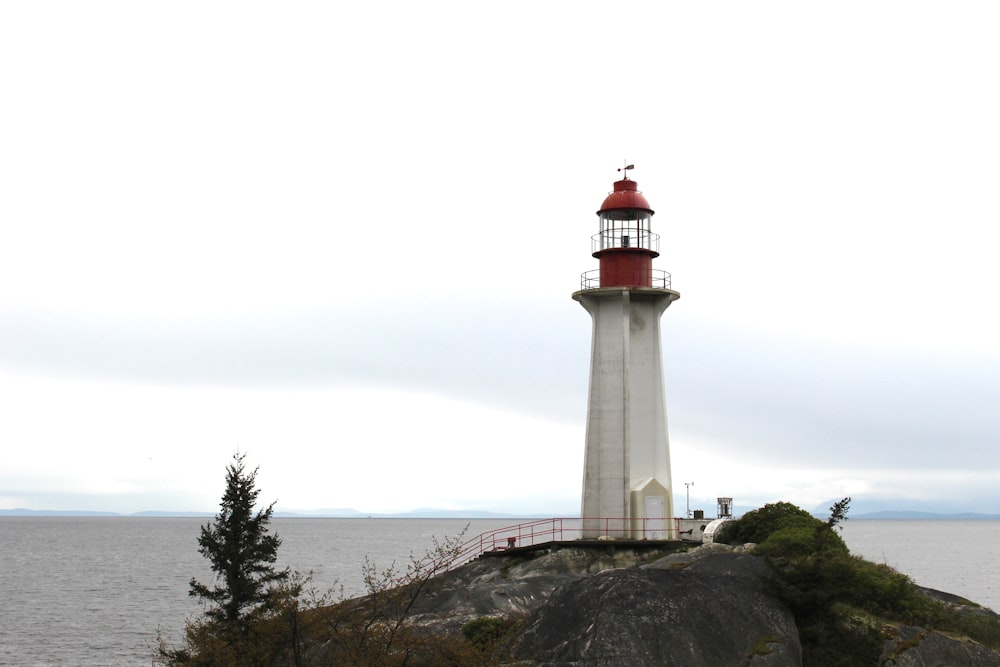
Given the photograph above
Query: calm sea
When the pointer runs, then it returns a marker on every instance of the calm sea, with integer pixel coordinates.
(95, 591)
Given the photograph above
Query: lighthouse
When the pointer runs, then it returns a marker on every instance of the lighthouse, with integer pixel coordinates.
(627, 489)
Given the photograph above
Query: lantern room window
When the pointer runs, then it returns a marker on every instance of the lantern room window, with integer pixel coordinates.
(625, 228)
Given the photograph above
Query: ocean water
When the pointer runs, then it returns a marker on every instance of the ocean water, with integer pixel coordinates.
(960, 557)
(95, 591)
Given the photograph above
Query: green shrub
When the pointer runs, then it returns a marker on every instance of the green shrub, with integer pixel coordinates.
(484, 630)
(801, 541)
(842, 603)
(756, 525)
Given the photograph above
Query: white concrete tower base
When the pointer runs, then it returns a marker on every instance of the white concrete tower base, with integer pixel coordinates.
(627, 489)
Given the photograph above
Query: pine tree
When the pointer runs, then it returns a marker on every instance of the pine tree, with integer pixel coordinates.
(241, 551)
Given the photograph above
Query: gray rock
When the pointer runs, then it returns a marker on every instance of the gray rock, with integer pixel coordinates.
(662, 616)
(639, 604)
(513, 585)
(918, 647)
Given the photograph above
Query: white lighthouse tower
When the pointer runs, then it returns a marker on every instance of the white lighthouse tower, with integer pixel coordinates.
(627, 489)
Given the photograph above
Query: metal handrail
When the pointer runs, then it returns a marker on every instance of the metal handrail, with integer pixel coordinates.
(624, 528)
(522, 534)
(541, 531)
(658, 279)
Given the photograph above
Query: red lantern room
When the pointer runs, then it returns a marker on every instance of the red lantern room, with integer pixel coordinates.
(625, 245)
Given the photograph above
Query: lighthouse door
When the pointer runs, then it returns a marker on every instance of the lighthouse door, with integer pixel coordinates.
(654, 519)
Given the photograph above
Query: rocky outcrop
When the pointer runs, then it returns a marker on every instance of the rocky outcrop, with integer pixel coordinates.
(714, 612)
(619, 604)
(918, 647)
(909, 646)
(518, 583)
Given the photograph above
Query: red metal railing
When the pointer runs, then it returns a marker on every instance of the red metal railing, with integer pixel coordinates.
(650, 528)
(557, 529)
(522, 534)
(519, 535)
(592, 279)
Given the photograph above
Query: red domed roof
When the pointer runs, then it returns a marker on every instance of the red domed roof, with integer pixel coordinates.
(626, 195)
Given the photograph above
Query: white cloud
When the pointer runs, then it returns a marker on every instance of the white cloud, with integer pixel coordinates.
(373, 450)
(238, 225)
(751, 480)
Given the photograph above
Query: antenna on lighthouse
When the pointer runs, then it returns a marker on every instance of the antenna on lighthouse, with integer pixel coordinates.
(626, 168)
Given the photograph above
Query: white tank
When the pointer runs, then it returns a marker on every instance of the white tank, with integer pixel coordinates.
(708, 537)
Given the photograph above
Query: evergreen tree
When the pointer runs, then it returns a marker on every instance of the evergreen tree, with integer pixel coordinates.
(241, 551)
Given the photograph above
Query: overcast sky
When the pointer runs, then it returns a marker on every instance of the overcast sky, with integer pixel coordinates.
(342, 238)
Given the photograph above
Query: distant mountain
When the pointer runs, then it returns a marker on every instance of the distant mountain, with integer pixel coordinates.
(329, 513)
(335, 513)
(422, 513)
(172, 514)
(874, 508)
(20, 511)
(430, 513)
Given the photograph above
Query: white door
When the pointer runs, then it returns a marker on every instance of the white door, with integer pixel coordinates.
(654, 520)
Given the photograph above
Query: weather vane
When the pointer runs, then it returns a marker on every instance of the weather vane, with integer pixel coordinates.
(626, 167)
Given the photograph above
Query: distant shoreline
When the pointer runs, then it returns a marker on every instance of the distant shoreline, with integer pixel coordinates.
(278, 515)
(888, 515)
